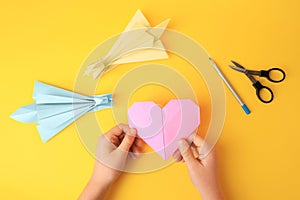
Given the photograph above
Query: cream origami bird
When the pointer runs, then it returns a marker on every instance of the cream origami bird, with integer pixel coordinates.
(139, 42)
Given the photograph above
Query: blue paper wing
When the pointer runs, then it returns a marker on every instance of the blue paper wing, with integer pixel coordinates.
(42, 88)
(26, 114)
(56, 108)
(49, 127)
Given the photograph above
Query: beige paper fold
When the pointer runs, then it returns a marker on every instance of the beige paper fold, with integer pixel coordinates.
(139, 42)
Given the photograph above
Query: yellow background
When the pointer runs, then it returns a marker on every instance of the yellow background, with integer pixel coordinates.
(48, 40)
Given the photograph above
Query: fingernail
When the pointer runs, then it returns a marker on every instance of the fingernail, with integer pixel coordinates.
(182, 145)
(132, 132)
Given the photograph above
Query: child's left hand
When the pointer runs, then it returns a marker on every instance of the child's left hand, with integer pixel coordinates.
(112, 153)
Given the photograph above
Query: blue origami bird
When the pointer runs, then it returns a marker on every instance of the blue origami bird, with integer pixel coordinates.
(55, 108)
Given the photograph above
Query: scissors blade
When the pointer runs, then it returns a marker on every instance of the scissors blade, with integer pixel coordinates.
(252, 79)
(237, 64)
(254, 72)
(237, 69)
(240, 68)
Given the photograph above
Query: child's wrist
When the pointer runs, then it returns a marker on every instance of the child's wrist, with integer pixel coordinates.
(95, 189)
(211, 193)
(101, 181)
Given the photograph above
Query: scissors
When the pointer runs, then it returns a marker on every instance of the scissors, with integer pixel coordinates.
(256, 84)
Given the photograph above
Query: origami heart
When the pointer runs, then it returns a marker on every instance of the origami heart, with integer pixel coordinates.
(161, 128)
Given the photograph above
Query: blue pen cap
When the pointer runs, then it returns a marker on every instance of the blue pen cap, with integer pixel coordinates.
(246, 109)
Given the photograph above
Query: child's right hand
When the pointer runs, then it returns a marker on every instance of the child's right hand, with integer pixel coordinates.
(203, 173)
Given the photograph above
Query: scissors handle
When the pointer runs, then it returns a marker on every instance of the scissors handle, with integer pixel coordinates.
(259, 88)
(266, 73)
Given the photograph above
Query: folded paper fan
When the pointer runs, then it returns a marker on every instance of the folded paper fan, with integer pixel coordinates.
(55, 108)
(139, 42)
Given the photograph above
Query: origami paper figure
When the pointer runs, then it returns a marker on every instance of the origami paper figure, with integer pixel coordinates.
(161, 128)
(55, 108)
(139, 42)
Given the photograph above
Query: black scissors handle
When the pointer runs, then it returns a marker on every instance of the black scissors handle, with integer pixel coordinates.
(259, 87)
(266, 73)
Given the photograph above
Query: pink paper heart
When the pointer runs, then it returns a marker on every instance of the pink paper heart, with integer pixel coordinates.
(161, 128)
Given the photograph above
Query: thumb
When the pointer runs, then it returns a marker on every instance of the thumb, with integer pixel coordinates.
(186, 152)
(127, 140)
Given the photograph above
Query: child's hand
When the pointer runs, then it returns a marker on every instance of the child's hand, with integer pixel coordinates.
(112, 153)
(203, 173)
